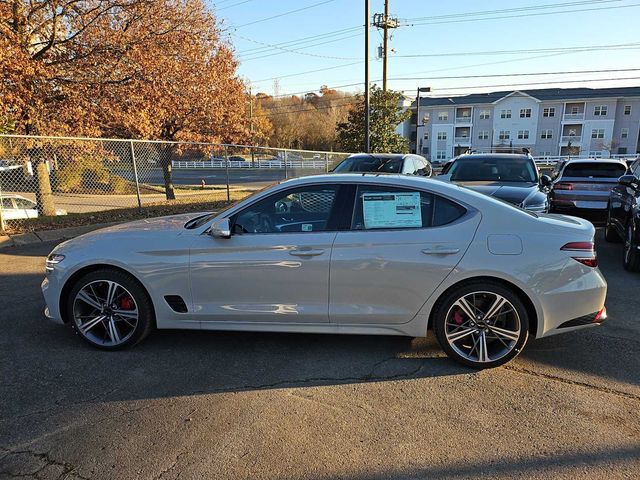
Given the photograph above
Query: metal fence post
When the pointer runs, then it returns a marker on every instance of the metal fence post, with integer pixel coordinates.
(135, 173)
(285, 164)
(326, 162)
(2, 224)
(226, 168)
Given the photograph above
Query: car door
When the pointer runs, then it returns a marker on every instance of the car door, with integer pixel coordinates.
(26, 208)
(275, 266)
(402, 244)
(622, 199)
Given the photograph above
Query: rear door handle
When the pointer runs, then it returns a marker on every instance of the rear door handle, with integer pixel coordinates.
(306, 252)
(440, 251)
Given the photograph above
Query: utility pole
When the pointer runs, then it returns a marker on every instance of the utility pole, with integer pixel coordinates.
(366, 76)
(385, 22)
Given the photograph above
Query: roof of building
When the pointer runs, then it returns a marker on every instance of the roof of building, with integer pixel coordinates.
(559, 94)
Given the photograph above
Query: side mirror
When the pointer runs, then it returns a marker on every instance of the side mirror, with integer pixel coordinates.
(628, 181)
(221, 229)
(545, 180)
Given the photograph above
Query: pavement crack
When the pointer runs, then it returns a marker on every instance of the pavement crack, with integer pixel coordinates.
(67, 468)
(170, 467)
(577, 383)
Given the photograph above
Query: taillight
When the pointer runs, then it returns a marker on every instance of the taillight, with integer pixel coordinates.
(579, 246)
(563, 186)
(586, 247)
(589, 262)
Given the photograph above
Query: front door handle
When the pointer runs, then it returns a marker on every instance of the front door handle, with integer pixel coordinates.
(440, 251)
(306, 252)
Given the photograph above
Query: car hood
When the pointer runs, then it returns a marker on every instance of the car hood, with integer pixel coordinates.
(148, 228)
(512, 192)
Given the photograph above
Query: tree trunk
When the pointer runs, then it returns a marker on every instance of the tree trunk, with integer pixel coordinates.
(166, 157)
(44, 197)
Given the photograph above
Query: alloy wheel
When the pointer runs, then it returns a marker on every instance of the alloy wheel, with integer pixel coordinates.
(105, 313)
(482, 327)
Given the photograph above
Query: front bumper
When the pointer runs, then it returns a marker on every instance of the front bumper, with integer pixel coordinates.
(51, 294)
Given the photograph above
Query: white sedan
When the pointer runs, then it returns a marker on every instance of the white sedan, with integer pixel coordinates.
(16, 207)
(356, 254)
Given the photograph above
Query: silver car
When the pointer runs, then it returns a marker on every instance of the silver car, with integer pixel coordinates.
(357, 254)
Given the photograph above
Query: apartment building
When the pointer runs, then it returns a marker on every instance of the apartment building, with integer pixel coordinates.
(549, 122)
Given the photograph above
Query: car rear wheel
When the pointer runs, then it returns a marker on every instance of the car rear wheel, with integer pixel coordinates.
(110, 310)
(631, 255)
(481, 324)
(610, 232)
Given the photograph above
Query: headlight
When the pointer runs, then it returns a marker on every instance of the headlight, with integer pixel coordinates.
(52, 260)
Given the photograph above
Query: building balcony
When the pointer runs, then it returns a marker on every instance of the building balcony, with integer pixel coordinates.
(463, 119)
(461, 140)
(568, 117)
(574, 139)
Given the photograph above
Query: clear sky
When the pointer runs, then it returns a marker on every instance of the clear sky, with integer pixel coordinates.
(328, 39)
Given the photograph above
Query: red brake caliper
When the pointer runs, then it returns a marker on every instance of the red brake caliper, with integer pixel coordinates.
(457, 317)
(126, 303)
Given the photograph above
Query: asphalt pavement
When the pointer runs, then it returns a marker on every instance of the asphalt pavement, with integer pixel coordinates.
(261, 405)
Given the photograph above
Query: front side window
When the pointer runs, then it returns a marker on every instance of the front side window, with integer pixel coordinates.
(300, 210)
(380, 207)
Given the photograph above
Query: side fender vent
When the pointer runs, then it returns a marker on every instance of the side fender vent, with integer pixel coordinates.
(176, 303)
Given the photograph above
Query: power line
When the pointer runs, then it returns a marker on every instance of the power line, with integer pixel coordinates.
(494, 75)
(286, 50)
(233, 5)
(333, 67)
(289, 43)
(289, 12)
(462, 20)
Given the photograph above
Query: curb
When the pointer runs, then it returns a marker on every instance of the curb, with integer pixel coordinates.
(48, 235)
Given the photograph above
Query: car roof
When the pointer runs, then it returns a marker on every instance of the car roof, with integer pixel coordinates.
(383, 156)
(596, 160)
(492, 156)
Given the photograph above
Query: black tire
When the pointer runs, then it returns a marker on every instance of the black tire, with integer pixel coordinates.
(610, 232)
(146, 315)
(630, 252)
(446, 303)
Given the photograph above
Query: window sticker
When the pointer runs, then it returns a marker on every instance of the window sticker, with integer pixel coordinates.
(307, 227)
(392, 210)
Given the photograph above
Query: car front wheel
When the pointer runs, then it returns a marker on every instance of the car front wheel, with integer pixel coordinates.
(110, 310)
(481, 324)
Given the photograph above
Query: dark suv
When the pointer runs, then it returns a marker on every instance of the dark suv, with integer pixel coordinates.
(623, 216)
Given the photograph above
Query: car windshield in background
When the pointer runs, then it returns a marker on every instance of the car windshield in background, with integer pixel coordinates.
(493, 170)
(370, 164)
(594, 169)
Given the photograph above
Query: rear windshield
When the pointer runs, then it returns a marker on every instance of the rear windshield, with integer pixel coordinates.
(469, 169)
(370, 164)
(592, 169)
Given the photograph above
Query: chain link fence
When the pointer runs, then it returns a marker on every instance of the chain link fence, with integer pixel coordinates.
(51, 176)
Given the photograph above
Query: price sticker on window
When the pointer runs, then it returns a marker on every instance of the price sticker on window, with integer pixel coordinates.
(392, 210)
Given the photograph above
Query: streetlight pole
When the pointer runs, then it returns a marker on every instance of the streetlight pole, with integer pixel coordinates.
(366, 76)
(420, 89)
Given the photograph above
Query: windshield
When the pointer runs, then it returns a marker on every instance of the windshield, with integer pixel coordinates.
(491, 169)
(369, 164)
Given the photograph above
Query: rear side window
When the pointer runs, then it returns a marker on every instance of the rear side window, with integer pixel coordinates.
(594, 169)
(370, 164)
(379, 207)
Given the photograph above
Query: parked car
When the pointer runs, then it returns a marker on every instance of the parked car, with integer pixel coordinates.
(408, 164)
(16, 207)
(584, 185)
(405, 253)
(8, 165)
(510, 177)
(623, 216)
(237, 158)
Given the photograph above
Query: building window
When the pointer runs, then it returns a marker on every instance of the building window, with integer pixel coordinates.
(597, 133)
(441, 155)
(525, 113)
(504, 135)
(549, 112)
(575, 110)
(443, 116)
(505, 113)
(600, 110)
(627, 109)
(546, 154)
(547, 133)
(622, 150)
(523, 134)
(595, 154)
(426, 135)
(442, 135)
(485, 114)
(624, 133)
(483, 135)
